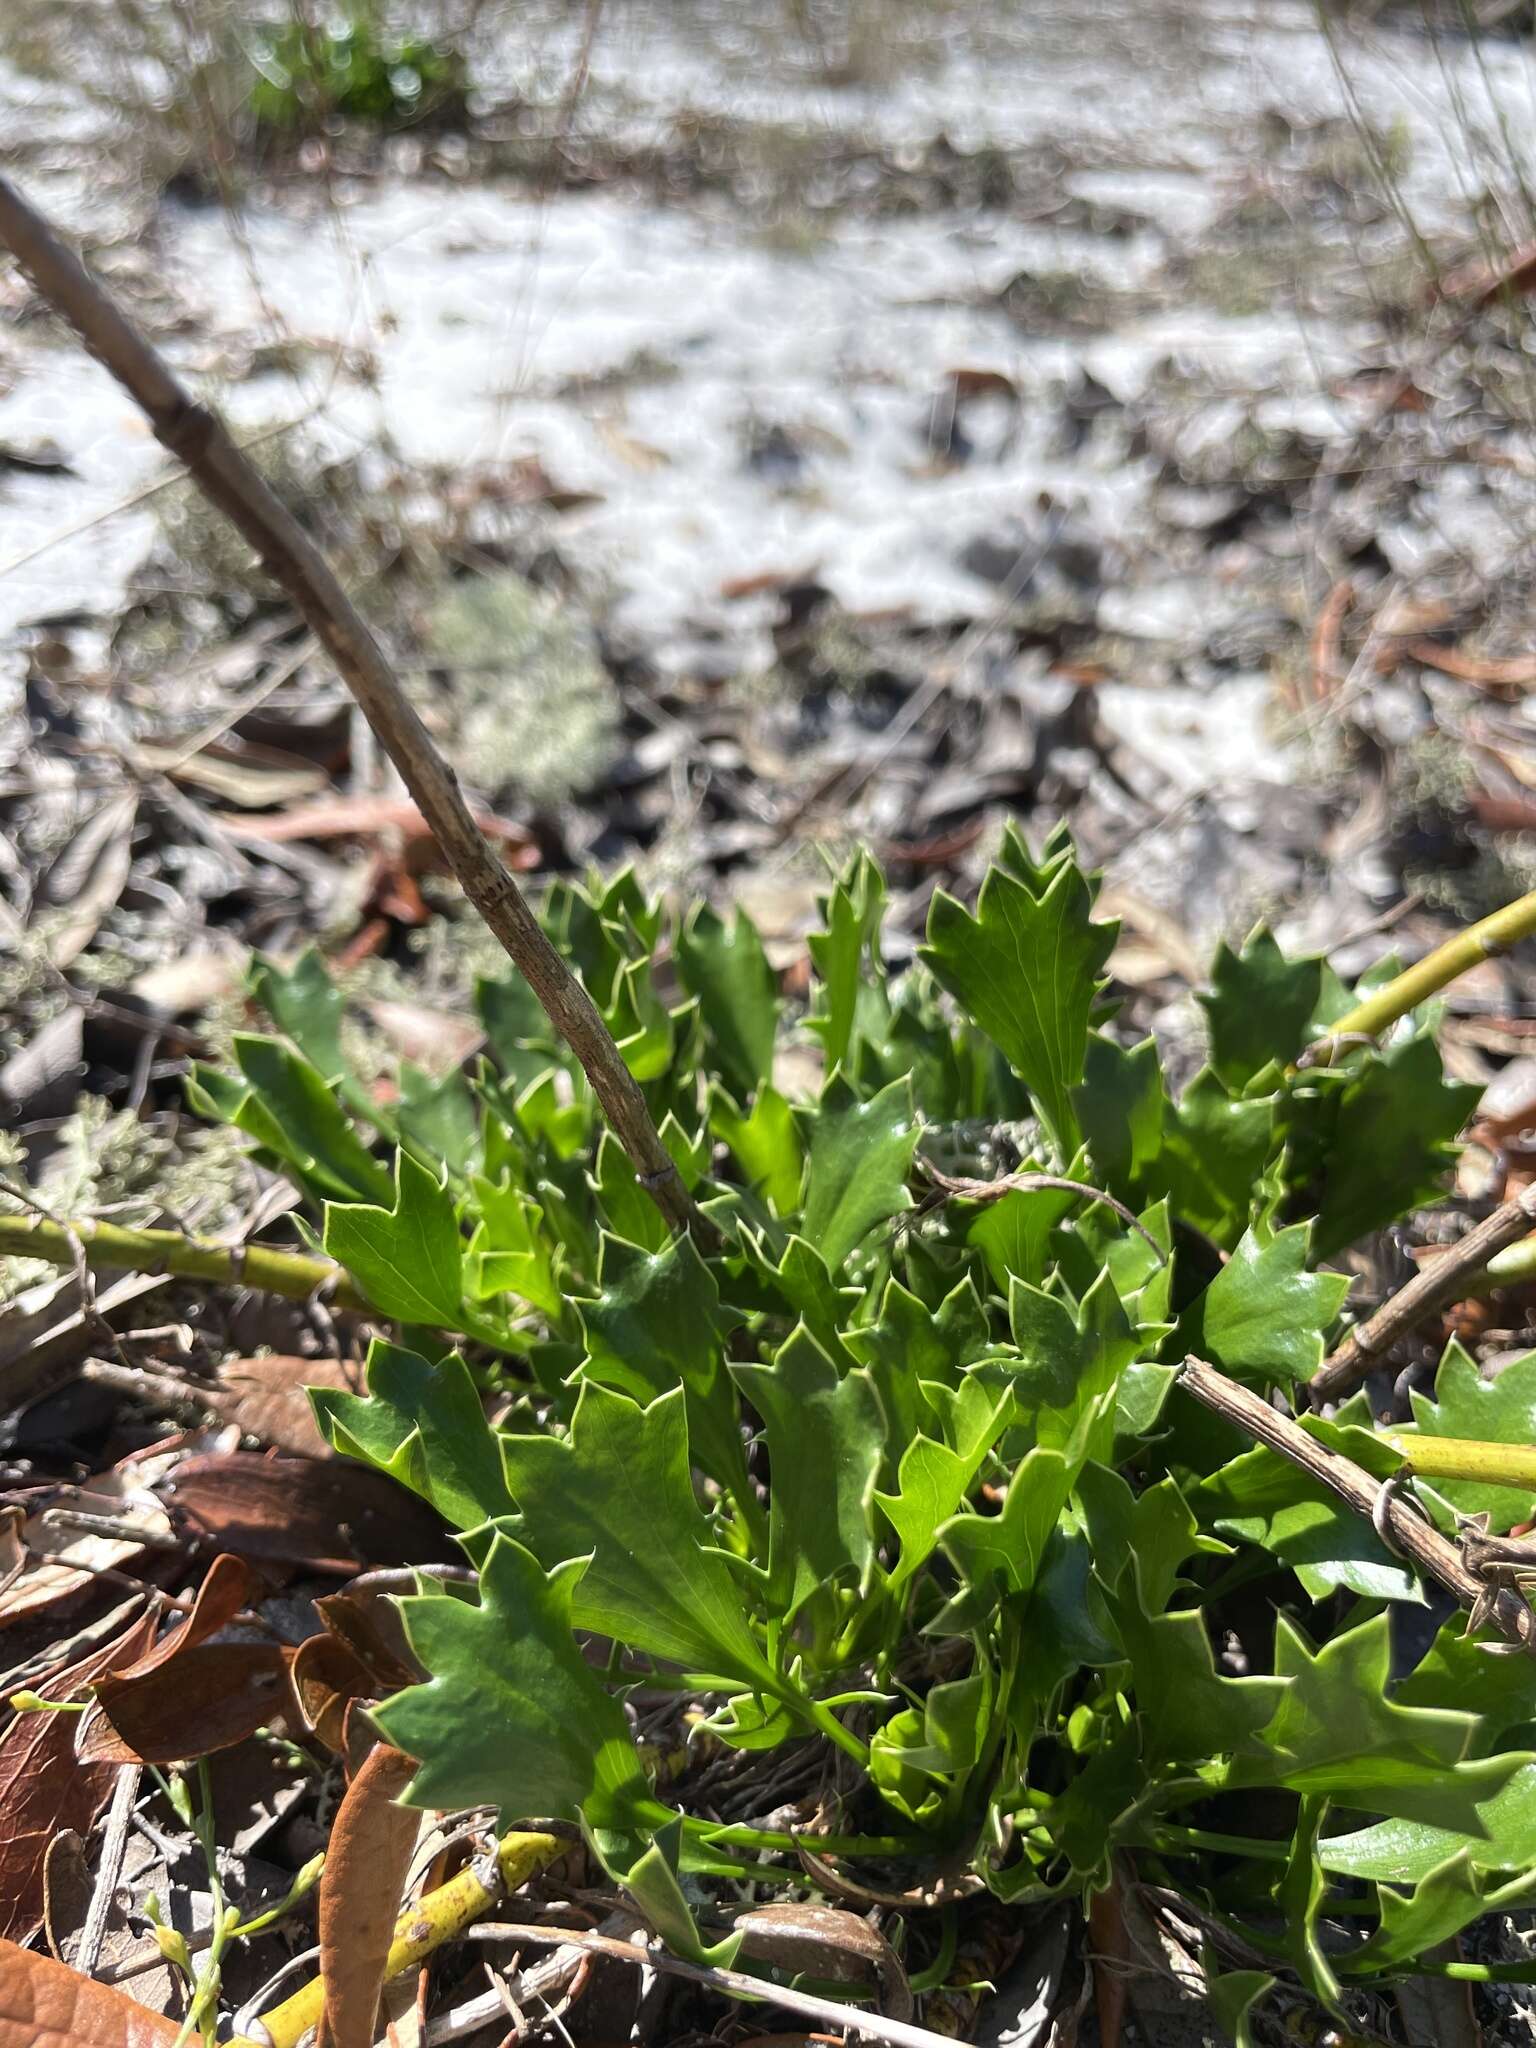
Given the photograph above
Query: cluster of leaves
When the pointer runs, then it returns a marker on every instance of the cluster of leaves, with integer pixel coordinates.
(915, 1482)
(309, 76)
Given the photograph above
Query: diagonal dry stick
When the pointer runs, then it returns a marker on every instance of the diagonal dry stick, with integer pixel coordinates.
(226, 477)
(1444, 1280)
(1410, 1533)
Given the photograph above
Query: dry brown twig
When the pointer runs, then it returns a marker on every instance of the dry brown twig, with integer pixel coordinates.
(1374, 1500)
(1441, 1282)
(225, 475)
(849, 2019)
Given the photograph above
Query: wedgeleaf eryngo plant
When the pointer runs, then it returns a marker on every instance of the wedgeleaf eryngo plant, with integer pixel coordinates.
(914, 1482)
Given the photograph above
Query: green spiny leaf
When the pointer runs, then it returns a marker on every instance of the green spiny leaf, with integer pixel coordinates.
(513, 1715)
(408, 1259)
(1026, 967)
(424, 1425)
(825, 1440)
(618, 1489)
(738, 993)
(1264, 1317)
(860, 1157)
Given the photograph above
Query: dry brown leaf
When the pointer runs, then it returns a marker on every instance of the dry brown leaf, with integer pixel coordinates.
(362, 817)
(251, 776)
(64, 1561)
(44, 2004)
(265, 1397)
(319, 1512)
(1517, 672)
(44, 1788)
(328, 1675)
(827, 1943)
(86, 879)
(189, 1695)
(366, 1863)
(430, 1038)
(1485, 281)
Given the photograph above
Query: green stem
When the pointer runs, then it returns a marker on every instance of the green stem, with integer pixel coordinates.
(1454, 1457)
(1475, 1973)
(1176, 1840)
(111, 1247)
(1515, 1266)
(826, 1722)
(1484, 940)
(734, 1835)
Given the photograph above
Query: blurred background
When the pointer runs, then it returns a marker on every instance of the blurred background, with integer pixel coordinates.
(756, 433)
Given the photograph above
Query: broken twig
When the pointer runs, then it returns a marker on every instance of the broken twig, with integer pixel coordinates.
(1444, 1280)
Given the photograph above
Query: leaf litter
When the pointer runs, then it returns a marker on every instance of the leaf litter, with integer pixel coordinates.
(1067, 471)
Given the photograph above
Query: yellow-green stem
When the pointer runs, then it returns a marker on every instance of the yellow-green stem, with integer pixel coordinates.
(434, 1919)
(1515, 1266)
(109, 1246)
(1454, 1457)
(1482, 941)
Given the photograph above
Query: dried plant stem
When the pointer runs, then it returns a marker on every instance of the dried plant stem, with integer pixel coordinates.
(1459, 1272)
(226, 477)
(848, 2019)
(1485, 940)
(1412, 1535)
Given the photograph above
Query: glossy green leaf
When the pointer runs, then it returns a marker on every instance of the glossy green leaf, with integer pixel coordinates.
(860, 1158)
(725, 967)
(513, 1716)
(1233, 1994)
(1026, 967)
(510, 1251)
(825, 1437)
(935, 1477)
(1265, 1317)
(657, 1324)
(1501, 1410)
(438, 1115)
(1391, 1141)
(1501, 1803)
(1067, 1361)
(1008, 1548)
(1299, 1896)
(766, 1145)
(1444, 1901)
(1259, 1007)
(1339, 1732)
(306, 1006)
(289, 1109)
(1013, 1234)
(423, 1423)
(618, 1489)
(408, 1259)
(910, 1345)
(853, 914)
(1262, 1499)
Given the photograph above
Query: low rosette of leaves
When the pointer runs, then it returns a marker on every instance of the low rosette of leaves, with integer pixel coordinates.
(912, 1480)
